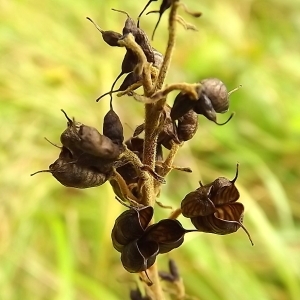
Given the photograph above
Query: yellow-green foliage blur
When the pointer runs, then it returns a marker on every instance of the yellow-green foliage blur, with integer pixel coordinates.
(55, 241)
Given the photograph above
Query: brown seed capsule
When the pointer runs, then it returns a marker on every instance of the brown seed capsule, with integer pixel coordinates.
(112, 38)
(109, 37)
(139, 35)
(71, 174)
(130, 225)
(187, 126)
(113, 128)
(224, 190)
(169, 234)
(80, 138)
(169, 131)
(213, 99)
(182, 105)
(213, 207)
(227, 219)
(198, 203)
(138, 257)
(215, 90)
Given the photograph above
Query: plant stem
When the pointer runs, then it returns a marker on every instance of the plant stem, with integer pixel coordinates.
(152, 128)
(153, 111)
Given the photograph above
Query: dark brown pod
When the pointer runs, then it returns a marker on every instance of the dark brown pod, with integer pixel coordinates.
(198, 203)
(138, 257)
(169, 131)
(110, 37)
(71, 174)
(215, 90)
(213, 99)
(136, 145)
(168, 233)
(182, 105)
(227, 219)
(224, 190)
(94, 143)
(130, 225)
(113, 128)
(77, 176)
(187, 126)
(139, 35)
(82, 138)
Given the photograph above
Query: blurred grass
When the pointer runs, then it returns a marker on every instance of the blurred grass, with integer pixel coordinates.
(55, 242)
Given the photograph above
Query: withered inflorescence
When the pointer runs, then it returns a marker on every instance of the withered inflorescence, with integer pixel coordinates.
(135, 167)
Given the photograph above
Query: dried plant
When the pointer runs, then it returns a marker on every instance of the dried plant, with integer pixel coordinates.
(136, 168)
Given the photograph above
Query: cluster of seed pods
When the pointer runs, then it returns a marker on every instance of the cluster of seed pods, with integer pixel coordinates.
(88, 159)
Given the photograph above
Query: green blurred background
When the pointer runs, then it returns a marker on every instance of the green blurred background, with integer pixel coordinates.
(55, 242)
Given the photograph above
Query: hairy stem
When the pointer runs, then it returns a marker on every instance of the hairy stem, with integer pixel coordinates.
(152, 128)
(153, 111)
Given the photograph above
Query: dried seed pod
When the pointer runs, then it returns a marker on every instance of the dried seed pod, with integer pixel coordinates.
(224, 190)
(71, 174)
(227, 219)
(169, 234)
(169, 131)
(187, 126)
(82, 138)
(213, 208)
(215, 90)
(136, 145)
(139, 35)
(113, 128)
(138, 257)
(182, 105)
(130, 225)
(198, 203)
(94, 143)
(213, 99)
(110, 37)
